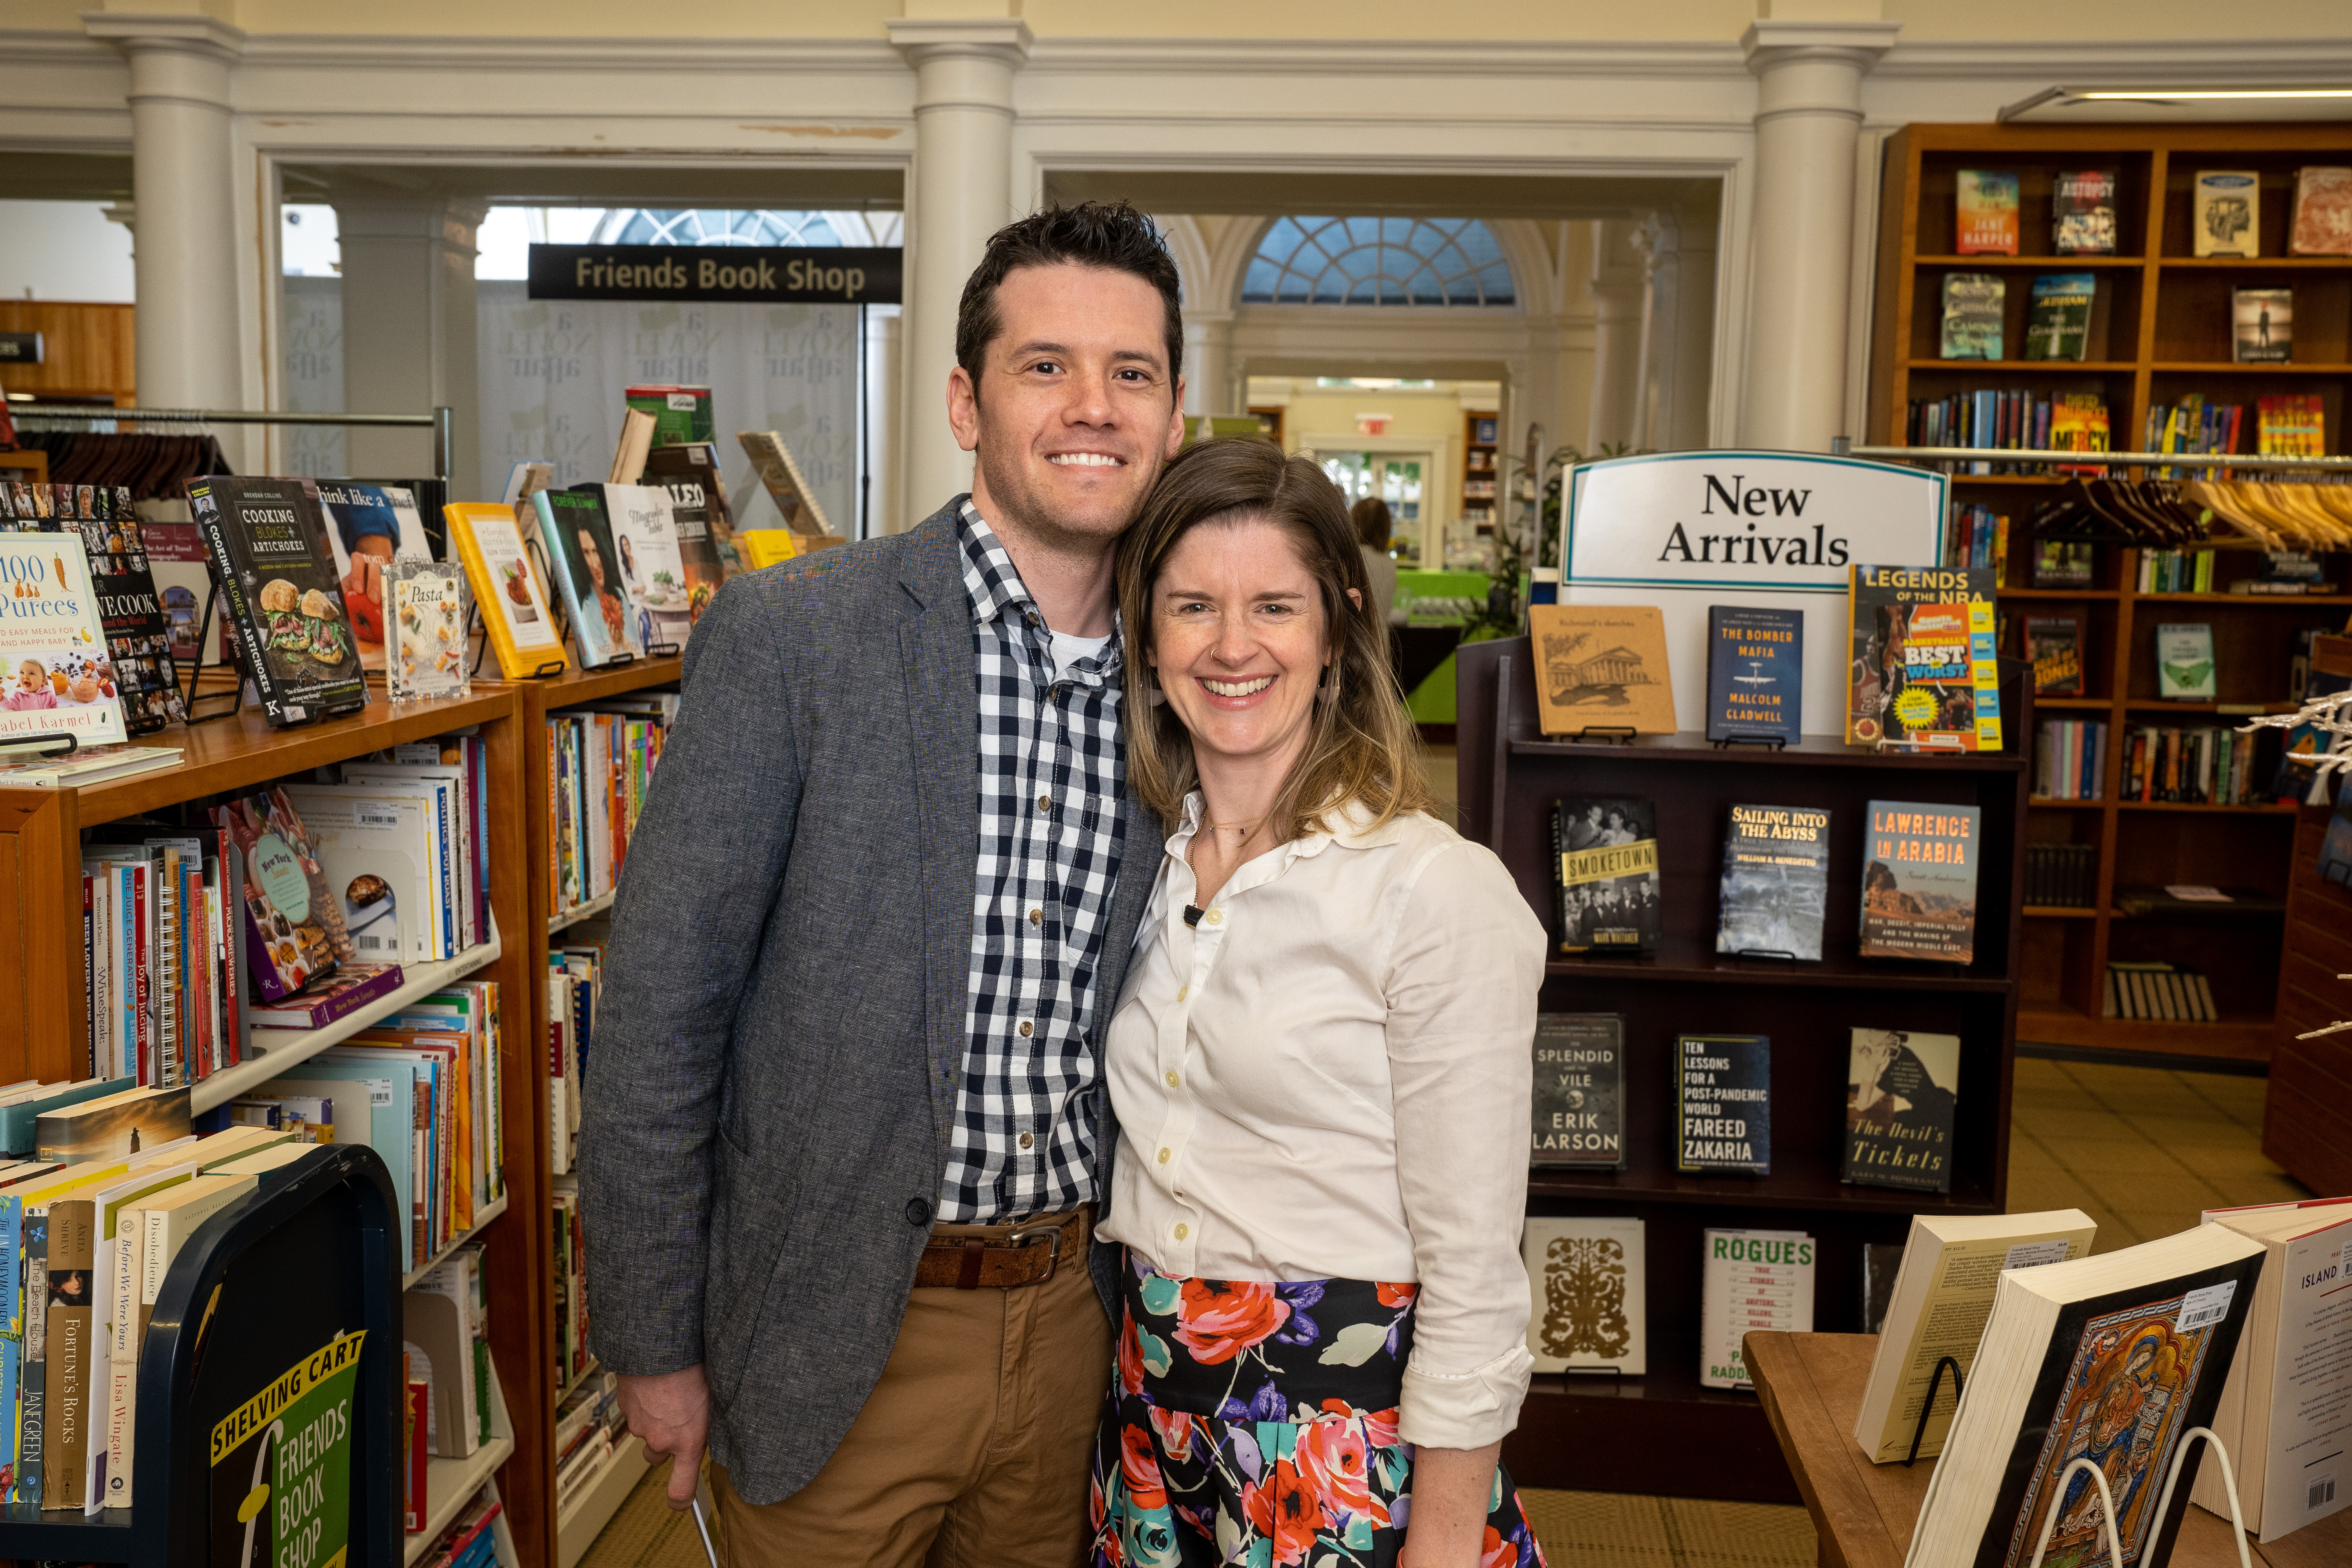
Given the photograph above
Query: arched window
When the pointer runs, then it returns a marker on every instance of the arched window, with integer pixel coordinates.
(1378, 261)
(711, 226)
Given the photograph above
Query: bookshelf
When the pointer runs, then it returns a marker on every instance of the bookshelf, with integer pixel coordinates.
(1664, 1434)
(1482, 475)
(2306, 1118)
(2159, 331)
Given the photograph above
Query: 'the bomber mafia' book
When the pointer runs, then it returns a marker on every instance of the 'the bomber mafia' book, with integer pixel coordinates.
(1919, 881)
(1580, 1091)
(1902, 1090)
(1605, 872)
(1755, 673)
(1775, 881)
(1723, 1105)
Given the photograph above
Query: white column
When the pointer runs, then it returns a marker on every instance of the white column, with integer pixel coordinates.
(962, 193)
(1208, 363)
(184, 193)
(1616, 291)
(885, 404)
(1807, 116)
(409, 332)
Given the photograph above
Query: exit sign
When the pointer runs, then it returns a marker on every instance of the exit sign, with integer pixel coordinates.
(20, 348)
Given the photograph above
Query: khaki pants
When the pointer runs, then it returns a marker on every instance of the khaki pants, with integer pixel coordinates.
(971, 1452)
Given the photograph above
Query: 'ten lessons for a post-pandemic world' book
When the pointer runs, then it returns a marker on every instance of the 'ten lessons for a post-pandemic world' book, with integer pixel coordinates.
(1919, 881)
(1580, 1091)
(55, 674)
(1723, 1105)
(268, 540)
(1606, 859)
(1924, 672)
(1902, 1090)
(1775, 881)
(1755, 673)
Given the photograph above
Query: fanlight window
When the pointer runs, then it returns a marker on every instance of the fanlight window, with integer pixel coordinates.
(712, 226)
(1378, 261)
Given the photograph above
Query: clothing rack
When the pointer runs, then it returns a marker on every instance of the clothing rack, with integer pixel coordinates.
(439, 421)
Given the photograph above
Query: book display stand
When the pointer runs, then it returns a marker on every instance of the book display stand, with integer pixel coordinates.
(1927, 1405)
(1664, 1434)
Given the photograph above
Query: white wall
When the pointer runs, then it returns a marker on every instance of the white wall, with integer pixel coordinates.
(63, 250)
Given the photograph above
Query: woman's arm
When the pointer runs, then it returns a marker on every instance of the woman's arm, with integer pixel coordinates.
(1446, 1526)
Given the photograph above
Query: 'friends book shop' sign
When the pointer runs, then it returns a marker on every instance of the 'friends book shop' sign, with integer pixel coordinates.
(761, 274)
(1684, 531)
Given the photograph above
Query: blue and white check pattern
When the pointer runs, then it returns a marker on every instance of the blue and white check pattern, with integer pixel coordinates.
(1052, 774)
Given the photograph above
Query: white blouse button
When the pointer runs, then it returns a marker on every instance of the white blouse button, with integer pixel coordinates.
(1173, 1080)
(1183, 1231)
(1216, 917)
(1163, 1156)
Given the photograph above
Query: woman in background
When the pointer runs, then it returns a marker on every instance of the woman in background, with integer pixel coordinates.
(1373, 526)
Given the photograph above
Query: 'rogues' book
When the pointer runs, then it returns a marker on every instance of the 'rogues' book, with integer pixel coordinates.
(1902, 1090)
(1606, 874)
(1752, 1281)
(1580, 1091)
(1723, 1105)
(1775, 881)
(1755, 673)
(268, 540)
(1919, 881)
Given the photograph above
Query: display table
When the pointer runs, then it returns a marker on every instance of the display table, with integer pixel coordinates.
(1811, 1387)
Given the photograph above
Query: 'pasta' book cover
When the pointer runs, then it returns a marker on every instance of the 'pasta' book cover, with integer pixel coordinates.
(55, 676)
(1919, 881)
(1776, 862)
(1755, 673)
(1902, 1090)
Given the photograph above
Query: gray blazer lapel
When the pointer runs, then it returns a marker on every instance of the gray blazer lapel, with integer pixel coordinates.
(943, 711)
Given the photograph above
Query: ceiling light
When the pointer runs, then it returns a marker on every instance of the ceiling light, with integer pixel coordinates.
(2158, 97)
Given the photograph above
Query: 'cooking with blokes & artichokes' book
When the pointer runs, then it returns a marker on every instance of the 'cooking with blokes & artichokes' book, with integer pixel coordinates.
(267, 541)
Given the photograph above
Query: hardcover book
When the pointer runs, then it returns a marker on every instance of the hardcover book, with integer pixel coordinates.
(268, 540)
(1973, 302)
(2226, 213)
(2083, 212)
(1755, 673)
(1985, 204)
(1580, 1091)
(1919, 881)
(2055, 643)
(698, 505)
(1602, 666)
(1585, 1279)
(584, 561)
(1775, 881)
(56, 676)
(111, 1127)
(1723, 1105)
(2323, 212)
(2062, 563)
(652, 571)
(425, 629)
(1902, 1089)
(2184, 661)
(2261, 326)
(369, 526)
(1751, 1281)
(294, 929)
(1606, 854)
(521, 630)
(1924, 672)
(2059, 327)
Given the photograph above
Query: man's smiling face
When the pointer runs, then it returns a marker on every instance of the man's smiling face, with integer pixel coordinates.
(1074, 411)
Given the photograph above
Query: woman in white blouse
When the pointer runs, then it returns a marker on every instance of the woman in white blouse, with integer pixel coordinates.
(1320, 1067)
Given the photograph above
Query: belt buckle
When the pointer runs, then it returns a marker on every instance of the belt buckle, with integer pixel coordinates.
(1051, 1235)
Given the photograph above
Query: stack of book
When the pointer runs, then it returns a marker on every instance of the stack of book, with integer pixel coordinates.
(2196, 764)
(589, 1426)
(446, 1334)
(2195, 425)
(575, 978)
(1979, 537)
(2017, 418)
(159, 953)
(471, 1542)
(2070, 759)
(2176, 572)
(2168, 992)
(572, 1362)
(600, 765)
(2062, 876)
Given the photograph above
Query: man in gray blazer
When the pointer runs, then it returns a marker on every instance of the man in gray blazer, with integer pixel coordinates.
(845, 1127)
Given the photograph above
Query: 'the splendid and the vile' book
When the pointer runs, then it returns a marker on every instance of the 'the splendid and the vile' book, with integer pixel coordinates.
(1902, 1090)
(1775, 881)
(1755, 673)
(1723, 1105)
(1924, 672)
(1580, 1091)
(1606, 859)
(1919, 881)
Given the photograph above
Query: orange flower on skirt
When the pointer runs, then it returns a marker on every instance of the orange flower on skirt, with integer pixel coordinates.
(1219, 1319)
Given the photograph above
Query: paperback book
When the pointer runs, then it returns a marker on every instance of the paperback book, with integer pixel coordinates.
(1755, 673)
(1919, 881)
(1902, 1090)
(584, 561)
(1606, 853)
(2261, 326)
(425, 629)
(368, 527)
(2184, 661)
(1752, 1281)
(1973, 302)
(55, 676)
(1580, 1091)
(2059, 328)
(268, 540)
(1723, 1105)
(1585, 1279)
(1925, 672)
(652, 571)
(1985, 204)
(698, 505)
(1775, 881)
(2083, 212)
(2226, 213)
(294, 929)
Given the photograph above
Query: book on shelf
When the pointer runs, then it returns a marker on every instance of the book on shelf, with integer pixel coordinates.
(141, 665)
(651, 568)
(2110, 1358)
(1775, 885)
(2070, 759)
(1941, 1295)
(160, 940)
(56, 677)
(2175, 571)
(1881, 1261)
(584, 561)
(1902, 1091)
(369, 526)
(293, 921)
(1755, 673)
(2012, 419)
(1723, 1105)
(796, 504)
(113, 1126)
(2059, 324)
(1602, 666)
(336, 995)
(2195, 764)
(1979, 537)
(2083, 212)
(444, 1332)
(514, 603)
(571, 1285)
(1973, 304)
(469, 1541)
(1605, 861)
(2195, 424)
(601, 762)
(1919, 881)
(764, 547)
(2184, 661)
(2153, 991)
(698, 505)
(2282, 1419)
(1588, 1295)
(678, 413)
(2291, 425)
(1985, 210)
(448, 781)
(267, 539)
(2261, 326)
(2226, 213)
(1924, 672)
(1752, 1281)
(2062, 876)
(2063, 563)
(2055, 643)
(2321, 219)
(1579, 1109)
(380, 851)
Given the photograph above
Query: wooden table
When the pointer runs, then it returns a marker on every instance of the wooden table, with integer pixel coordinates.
(1811, 1387)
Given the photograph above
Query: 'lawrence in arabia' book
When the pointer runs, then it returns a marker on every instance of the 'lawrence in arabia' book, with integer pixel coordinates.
(1919, 881)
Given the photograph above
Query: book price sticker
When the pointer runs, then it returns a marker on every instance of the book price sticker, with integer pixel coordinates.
(2203, 1308)
(2035, 1254)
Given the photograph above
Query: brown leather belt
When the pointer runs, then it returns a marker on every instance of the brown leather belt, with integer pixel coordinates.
(1002, 1256)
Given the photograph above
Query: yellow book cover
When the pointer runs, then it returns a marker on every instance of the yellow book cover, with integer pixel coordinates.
(507, 586)
(765, 546)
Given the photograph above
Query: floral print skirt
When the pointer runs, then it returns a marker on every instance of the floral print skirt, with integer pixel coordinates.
(1255, 1425)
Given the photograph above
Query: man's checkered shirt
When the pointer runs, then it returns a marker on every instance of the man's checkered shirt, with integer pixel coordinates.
(1051, 777)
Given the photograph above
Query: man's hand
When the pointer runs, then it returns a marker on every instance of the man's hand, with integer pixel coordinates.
(671, 1411)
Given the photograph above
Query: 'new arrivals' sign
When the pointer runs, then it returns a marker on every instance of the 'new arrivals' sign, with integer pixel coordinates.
(770, 275)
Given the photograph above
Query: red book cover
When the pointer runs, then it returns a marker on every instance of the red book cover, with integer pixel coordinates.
(197, 940)
(418, 1505)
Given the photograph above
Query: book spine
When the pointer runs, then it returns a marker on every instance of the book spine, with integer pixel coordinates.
(126, 1258)
(33, 1380)
(342, 1004)
(143, 980)
(253, 665)
(73, 1253)
(91, 1007)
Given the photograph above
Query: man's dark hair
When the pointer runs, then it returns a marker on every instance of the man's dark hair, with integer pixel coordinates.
(1109, 235)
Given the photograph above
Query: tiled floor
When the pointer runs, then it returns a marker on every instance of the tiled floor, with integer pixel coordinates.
(2139, 1150)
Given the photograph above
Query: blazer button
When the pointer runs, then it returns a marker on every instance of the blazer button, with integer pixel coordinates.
(919, 1213)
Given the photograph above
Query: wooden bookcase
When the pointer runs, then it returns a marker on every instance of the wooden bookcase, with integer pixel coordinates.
(2307, 1116)
(1482, 469)
(2160, 331)
(1664, 1434)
